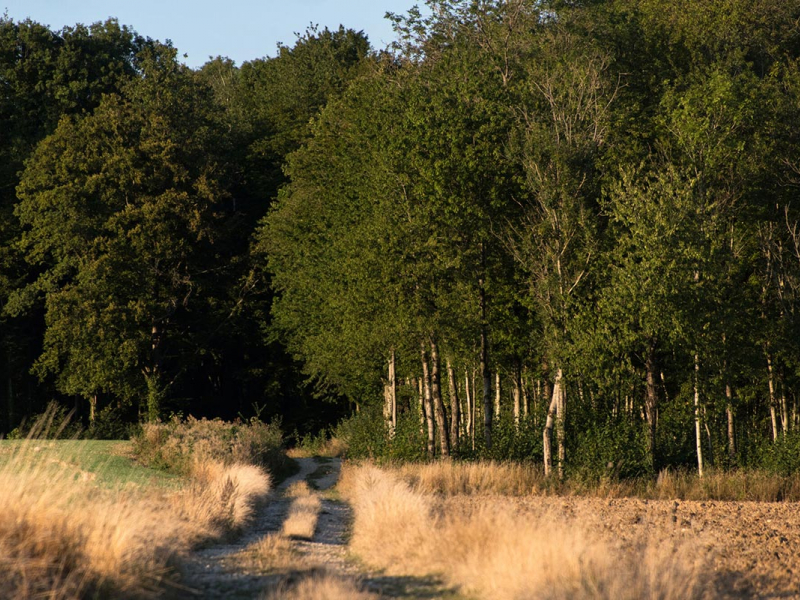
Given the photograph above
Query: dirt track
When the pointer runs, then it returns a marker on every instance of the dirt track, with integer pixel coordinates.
(216, 573)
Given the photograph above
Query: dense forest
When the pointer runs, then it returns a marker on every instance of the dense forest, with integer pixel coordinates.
(552, 230)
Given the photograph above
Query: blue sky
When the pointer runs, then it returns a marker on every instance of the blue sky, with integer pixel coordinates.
(239, 29)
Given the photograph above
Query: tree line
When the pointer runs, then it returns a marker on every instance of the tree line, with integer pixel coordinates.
(551, 230)
(130, 188)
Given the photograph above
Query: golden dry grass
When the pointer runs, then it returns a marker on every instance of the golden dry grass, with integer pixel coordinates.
(301, 521)
(485, 477)
(320, 586)
(222, 496)
(498, 553)
(327, 448)
(451, 478)
(271, 553)
(63, 537)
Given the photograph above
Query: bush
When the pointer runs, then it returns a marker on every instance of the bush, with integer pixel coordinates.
(55, 423)
(113, 423)
(782, 456)
(611, 450)
(366, 435)
(177, 444)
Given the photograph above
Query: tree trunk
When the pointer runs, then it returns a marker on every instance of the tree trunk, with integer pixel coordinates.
(547, 391)
(526, 399)
(497, 395)
(698, 437)
(485, 373)
(455, 406)
(731, 430)
(438, 404)
(561, 420)
(651, 401)
(417, 385)
(470, 409)
(428, 400)
(552, 413)
(92, 409)
(772, 399)
(516, 392)
(784, 406)
(153, 376)
(393, 389)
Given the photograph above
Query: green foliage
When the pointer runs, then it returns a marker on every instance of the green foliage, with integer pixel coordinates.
(119, 209)
(613, 450)
(509, 441)
(600, 193)
(781, 457)
(113, 422)
(366, 435)
(55, 423)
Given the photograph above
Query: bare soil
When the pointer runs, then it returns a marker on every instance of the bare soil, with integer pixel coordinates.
(753, 548)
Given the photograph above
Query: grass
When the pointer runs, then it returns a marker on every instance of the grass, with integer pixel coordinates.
(80, 519)
(450, 478)
(321, 445)
(495, 552)
(301, 522)
(176, 444)
(320, 586)
(106, 463)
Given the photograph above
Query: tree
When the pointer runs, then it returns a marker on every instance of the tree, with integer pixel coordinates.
(45, 74)
(118, 210)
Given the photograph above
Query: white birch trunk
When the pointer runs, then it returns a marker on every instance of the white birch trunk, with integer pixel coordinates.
(698, 436)
(549, 423)
(497, 396)
(772, 412)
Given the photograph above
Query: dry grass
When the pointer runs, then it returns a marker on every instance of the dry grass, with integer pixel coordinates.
(320, 586)
(271, 553)
(301, 522)
(177, 444)
(319, 446)
(486, 477)
(451, 478)
(498, 553)
(63, 537)
(223, 497)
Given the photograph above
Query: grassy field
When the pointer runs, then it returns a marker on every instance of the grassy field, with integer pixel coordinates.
(109, 464)
(83, 519)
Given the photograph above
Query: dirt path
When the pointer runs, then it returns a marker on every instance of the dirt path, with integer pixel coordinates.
(214, 573)
(218, 572)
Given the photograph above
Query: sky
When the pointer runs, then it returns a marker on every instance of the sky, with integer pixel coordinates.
(239, 29)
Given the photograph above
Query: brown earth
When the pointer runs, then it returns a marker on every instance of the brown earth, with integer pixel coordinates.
(753, 548)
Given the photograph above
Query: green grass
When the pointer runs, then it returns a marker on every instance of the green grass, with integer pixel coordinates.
(108, 464)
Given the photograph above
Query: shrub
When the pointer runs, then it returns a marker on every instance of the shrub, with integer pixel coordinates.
(177, 444)
(366, 435)
(782, 456)
(55, 423)
(611, 450)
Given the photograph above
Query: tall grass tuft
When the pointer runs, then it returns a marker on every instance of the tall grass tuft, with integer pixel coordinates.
(301, 522)
(320, 586)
